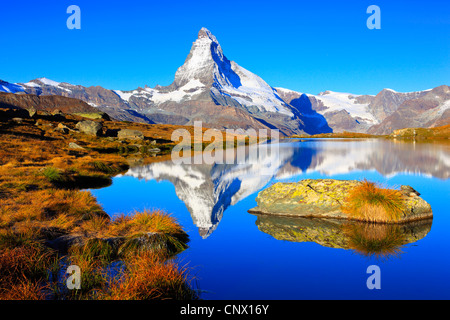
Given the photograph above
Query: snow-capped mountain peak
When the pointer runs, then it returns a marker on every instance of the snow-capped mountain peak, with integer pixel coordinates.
(200, 63)
(227, 80)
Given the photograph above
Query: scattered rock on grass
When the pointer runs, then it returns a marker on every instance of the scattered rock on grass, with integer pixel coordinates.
(89, 127)
(130, 134)
(73, 145)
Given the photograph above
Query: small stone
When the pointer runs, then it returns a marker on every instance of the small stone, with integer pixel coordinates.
(73, 145)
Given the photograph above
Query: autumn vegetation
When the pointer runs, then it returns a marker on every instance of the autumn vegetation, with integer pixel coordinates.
(369, 202)
(47, 221)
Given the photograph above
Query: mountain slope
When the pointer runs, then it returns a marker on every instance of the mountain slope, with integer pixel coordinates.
(381, 114)
(207, 87)
(333, 111)
(207, 80)
(45, 103)
(428, 108)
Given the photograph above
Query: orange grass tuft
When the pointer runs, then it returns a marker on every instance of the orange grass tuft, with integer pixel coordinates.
(144, 222)
(368, 202)
(150, 277)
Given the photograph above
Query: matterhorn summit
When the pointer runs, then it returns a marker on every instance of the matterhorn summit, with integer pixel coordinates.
(229, 84)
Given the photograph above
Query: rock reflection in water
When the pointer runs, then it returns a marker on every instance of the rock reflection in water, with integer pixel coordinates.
(369, 239)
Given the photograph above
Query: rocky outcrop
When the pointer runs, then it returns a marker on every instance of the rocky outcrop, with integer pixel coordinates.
(73, 145)
(90, 127)
(324, 198)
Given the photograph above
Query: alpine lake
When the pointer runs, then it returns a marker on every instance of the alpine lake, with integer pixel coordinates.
(236, 255)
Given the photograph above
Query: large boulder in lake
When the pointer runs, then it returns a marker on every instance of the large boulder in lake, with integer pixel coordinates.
(325, 198)
(89, 127)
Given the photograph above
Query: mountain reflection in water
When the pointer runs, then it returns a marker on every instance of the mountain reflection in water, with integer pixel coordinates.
(208, 190)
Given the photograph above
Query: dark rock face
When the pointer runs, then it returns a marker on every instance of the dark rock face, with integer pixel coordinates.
(387, 102)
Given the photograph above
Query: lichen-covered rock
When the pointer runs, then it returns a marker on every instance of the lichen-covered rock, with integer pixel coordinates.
(73, 145)
(89, 127)
(324, 198)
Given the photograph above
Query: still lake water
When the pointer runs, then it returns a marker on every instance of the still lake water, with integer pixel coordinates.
(235, 255)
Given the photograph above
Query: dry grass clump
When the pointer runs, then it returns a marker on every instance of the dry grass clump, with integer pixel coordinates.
(128, 259)
(24, 269)
(144, 222)
(140, 245)
(150, 277)
(48, 208)
(137, 223)
(368, 202)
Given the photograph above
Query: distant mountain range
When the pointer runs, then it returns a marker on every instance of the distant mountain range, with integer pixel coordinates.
(222, 94)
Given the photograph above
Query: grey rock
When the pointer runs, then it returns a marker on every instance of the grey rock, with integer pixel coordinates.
(65, 242)
(324, 198)
(89, 127)
(73, 145)
(130, 134)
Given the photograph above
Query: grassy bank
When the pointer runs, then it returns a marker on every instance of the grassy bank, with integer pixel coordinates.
(436, 133)
(48, 223)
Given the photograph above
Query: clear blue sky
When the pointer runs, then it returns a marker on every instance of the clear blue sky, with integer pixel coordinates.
(308, 46)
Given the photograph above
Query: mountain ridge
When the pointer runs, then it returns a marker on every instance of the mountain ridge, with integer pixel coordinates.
(209, 87)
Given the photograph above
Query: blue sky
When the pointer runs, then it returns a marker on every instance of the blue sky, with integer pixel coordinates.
(308, 46)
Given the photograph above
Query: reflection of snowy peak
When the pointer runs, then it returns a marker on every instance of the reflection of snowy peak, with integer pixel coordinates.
(207, 190)
(193, 186)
